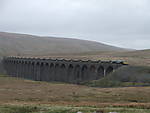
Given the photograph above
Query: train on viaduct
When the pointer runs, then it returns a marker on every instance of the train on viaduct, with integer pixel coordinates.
(70, 71)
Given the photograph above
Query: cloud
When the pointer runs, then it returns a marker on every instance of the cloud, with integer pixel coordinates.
(122, 23)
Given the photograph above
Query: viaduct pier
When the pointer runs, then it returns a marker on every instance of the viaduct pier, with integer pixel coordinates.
(71, 71)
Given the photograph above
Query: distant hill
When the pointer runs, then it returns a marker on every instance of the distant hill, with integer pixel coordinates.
(139, 53)
(22, 44)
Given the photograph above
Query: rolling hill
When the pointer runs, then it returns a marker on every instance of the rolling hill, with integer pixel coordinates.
(138, 53)
(22, 44)
(29, 45)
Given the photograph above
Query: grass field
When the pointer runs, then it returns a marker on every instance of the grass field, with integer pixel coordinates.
(26, 96)
(68, 109)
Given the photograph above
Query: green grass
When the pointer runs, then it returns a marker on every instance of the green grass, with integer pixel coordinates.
(67, 109)
(3, 75)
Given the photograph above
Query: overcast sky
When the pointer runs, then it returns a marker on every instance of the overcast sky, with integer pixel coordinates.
(123, 23)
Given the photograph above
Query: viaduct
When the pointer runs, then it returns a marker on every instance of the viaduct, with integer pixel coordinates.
(71, 71)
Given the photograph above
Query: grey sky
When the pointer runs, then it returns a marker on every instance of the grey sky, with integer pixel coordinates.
(123, 23)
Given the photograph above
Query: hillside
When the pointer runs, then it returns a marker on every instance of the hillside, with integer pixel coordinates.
(28, 45)
(22, 44)
(138, 53)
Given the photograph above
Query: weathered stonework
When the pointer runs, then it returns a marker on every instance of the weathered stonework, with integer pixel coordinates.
(71, 71)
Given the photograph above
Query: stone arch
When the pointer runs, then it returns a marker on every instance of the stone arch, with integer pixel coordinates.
(92, 73)
(57, 72)
(13, 62)
(46, 72)
(13, 68)
(51, 65)
(32, 71)
(37, 71)
(38, 63)
(63, 73)
(100, 72)
(77, 73)
(19, 68)
(42, 74)
(63, 66)
(84, 72)
(51, 72)
(47, 64)
(25, 70)
(109, 70)
(32, 63)
(70, 74)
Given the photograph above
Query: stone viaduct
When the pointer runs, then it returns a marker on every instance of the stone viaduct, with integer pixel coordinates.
(71, 71)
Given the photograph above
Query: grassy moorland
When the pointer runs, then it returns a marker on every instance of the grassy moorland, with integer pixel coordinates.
(26, 45)
(26, 96)
(23, 44)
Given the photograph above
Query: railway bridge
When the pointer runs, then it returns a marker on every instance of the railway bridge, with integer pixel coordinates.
(71, 71)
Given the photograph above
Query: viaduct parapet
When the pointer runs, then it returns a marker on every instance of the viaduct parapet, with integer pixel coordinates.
(71, 71)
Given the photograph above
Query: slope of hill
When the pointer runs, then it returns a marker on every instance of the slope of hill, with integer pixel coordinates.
(138, 53)
(28, 45)
(22, 44)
